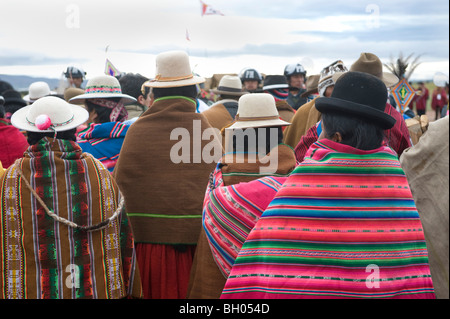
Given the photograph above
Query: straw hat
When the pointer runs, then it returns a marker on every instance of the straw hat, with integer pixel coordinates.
(103, 87)
(49, 114)
(370, 63)
(257, 110)
(358, 94)
(36, 90)
(173, 70)
(230, 85)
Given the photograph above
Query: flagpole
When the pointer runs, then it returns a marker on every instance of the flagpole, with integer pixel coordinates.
(106, 59)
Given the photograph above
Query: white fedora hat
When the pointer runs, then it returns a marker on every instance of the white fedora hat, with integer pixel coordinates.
(49, 114)
(173, 70)
(103, 87)
(257, 110)
(36, 90)
(230, 85)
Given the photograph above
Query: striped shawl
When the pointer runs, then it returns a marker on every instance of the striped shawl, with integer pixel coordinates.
(207, 279)
(45, 259)
(230, 213)
(343, 225)
(104, 141)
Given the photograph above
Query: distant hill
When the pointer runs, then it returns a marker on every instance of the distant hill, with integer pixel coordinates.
(22, 82)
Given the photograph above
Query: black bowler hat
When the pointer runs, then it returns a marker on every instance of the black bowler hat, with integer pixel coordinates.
(13, 97)
(361, 95)
(273, 82)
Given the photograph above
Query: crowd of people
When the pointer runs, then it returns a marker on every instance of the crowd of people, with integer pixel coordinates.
(265, 186)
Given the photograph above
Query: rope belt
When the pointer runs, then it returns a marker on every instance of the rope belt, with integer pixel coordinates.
(59, 219)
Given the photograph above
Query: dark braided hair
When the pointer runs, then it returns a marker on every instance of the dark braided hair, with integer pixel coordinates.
(35, 137)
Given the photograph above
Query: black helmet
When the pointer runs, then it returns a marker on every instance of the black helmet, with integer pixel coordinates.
(250, 75)
(73, 72)
(294, 68)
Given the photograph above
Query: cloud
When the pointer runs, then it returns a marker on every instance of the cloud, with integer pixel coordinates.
(53, 32)
(306, 9)
(31, 59)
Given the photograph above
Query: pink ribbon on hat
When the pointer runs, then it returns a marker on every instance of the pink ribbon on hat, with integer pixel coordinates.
(117, 108)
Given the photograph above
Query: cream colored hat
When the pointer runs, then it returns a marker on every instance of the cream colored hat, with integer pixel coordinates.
(173, 70)
(257, 110)
(49, 114)
(37, 90)
(103, 87)
(230, 85)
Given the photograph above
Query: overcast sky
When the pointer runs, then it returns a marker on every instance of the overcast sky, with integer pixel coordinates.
(41, 38)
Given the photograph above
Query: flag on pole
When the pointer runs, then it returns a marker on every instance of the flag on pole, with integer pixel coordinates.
(208, 10)
(110, 69)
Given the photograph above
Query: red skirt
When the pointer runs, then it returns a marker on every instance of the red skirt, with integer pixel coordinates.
(164, 270)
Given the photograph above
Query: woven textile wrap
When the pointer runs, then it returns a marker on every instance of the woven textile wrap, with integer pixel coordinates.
(230, 213)
(218, 116)
(426, 168)
(163, 198)
(344, 225)
(12, 143)
(294, 132)
(104, 141)
(207, 280)
(45, 259)
(285, 110)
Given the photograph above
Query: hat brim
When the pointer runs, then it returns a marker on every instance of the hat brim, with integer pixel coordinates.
(18, 119)
(255, 124)
(172, 84)
(276, 86)
(308, 93)
(229, 92)
(336, 105)
(27, 98)
(87, 96)
(15, 101)
(388, 79)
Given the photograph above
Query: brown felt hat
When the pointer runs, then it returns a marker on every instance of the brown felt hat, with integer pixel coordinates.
(370, 63)
(311, 85)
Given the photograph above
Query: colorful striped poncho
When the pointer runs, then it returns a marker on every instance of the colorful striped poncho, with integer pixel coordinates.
(230, 213)
(343, 225)
(207, 280)
(41, 258)
(104, 141)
